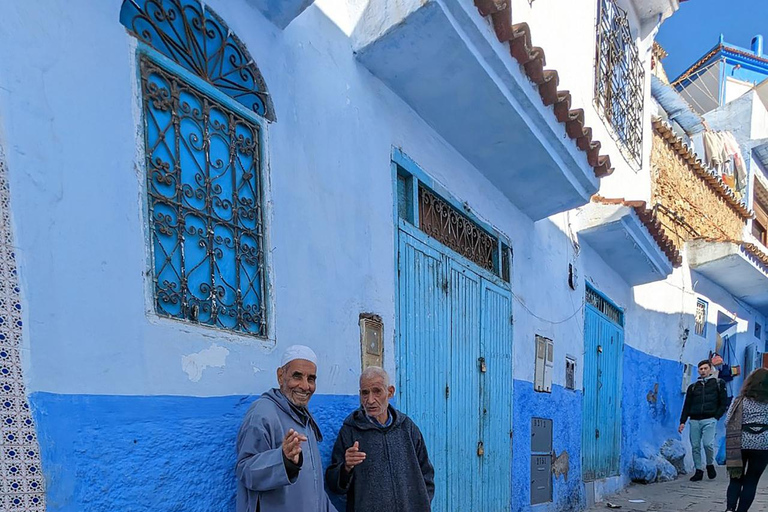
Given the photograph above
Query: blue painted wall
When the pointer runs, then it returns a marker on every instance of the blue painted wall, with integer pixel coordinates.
(151, 453)
(649, 417)
(563, 406)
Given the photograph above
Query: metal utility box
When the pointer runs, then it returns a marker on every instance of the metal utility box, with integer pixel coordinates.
(541, 479)
(541, 460)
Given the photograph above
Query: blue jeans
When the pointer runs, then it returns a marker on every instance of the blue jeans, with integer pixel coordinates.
(703, 432)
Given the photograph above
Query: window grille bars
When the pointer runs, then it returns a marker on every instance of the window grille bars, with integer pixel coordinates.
(613, 313)
(204, 201)
(619, 79)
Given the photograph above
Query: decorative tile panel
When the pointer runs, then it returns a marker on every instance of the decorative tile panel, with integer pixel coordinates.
(20, 472)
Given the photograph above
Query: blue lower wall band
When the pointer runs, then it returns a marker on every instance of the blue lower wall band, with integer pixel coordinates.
(177, 453)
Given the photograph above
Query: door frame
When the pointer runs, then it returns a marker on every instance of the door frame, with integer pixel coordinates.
(619, 420)
(402, 167)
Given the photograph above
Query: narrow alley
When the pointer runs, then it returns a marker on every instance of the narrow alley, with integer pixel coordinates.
(680, 495)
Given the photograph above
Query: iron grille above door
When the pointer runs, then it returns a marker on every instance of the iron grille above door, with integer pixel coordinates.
(441, 217)
(445, 224)
(604, 306)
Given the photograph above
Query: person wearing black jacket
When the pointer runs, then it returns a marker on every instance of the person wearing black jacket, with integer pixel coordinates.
(380, 460)
(706, 401)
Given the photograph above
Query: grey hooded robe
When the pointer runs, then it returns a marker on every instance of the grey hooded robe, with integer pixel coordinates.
(262, 478)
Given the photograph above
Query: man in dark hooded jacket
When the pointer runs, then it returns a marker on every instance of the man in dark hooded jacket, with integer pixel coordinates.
(380, 459)
(706, 401)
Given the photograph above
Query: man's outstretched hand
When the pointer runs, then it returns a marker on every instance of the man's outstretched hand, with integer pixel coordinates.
(353, 456)
(292, 445)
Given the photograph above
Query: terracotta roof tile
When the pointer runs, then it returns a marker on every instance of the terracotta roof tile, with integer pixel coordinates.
(699, 168)
(651, 223)
(756, 252)
(533, 61)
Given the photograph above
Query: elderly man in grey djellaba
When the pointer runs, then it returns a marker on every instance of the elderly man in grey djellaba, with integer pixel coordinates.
(380, 460)
(278, 461)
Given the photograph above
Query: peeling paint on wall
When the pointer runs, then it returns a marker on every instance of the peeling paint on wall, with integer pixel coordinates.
(561, 464)
(194, 364)
(653, 395)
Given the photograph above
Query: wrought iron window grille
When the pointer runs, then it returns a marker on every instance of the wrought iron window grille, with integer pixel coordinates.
(619, 80)
(700, 318)
(203, 165)
(204, 203)
(197, 39)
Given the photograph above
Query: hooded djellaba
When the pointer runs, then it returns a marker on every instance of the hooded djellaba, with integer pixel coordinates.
(268, 479)
(380, 460)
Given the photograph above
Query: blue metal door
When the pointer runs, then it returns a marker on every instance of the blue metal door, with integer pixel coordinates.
(603, 359)
(454, 356)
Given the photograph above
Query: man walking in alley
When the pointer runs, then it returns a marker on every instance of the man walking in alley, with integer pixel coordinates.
(278, 461)
(380, 460)
(705, 402)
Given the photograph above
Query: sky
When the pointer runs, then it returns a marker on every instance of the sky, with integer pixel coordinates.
(696, 27)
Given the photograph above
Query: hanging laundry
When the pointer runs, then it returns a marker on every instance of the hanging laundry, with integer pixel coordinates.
(734, 155)
(714, 150)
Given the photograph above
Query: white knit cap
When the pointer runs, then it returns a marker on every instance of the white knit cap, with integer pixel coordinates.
(298, 352)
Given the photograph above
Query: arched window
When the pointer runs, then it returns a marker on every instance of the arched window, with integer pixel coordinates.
(204, 102)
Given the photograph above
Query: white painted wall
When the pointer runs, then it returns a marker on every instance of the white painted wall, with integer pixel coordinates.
(74, 153)
(736, 88)
(565, 30)
(70, 124)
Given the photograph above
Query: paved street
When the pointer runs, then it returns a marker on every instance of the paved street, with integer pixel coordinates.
(682, 495)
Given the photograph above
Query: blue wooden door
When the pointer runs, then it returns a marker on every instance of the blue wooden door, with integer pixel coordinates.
(423, 354)
(603, 360)
(454, 371)
(463, 433)
(496, 384)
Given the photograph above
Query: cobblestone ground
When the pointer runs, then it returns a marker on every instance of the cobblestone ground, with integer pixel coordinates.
(682, 495)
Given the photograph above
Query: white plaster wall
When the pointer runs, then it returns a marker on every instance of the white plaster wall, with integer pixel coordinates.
(71, 124)
(759, 123)
(735, 88)
(70, 121)
(735, 116)
(566, 31)
(668, 307)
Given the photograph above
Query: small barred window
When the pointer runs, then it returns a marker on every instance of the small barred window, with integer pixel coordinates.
(700, 326)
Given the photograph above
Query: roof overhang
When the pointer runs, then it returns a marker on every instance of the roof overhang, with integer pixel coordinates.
(281, 12)
(761, 153)
(618, 234)
(654, 11)
(676, 107)
(736, 267)
(463, 81)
